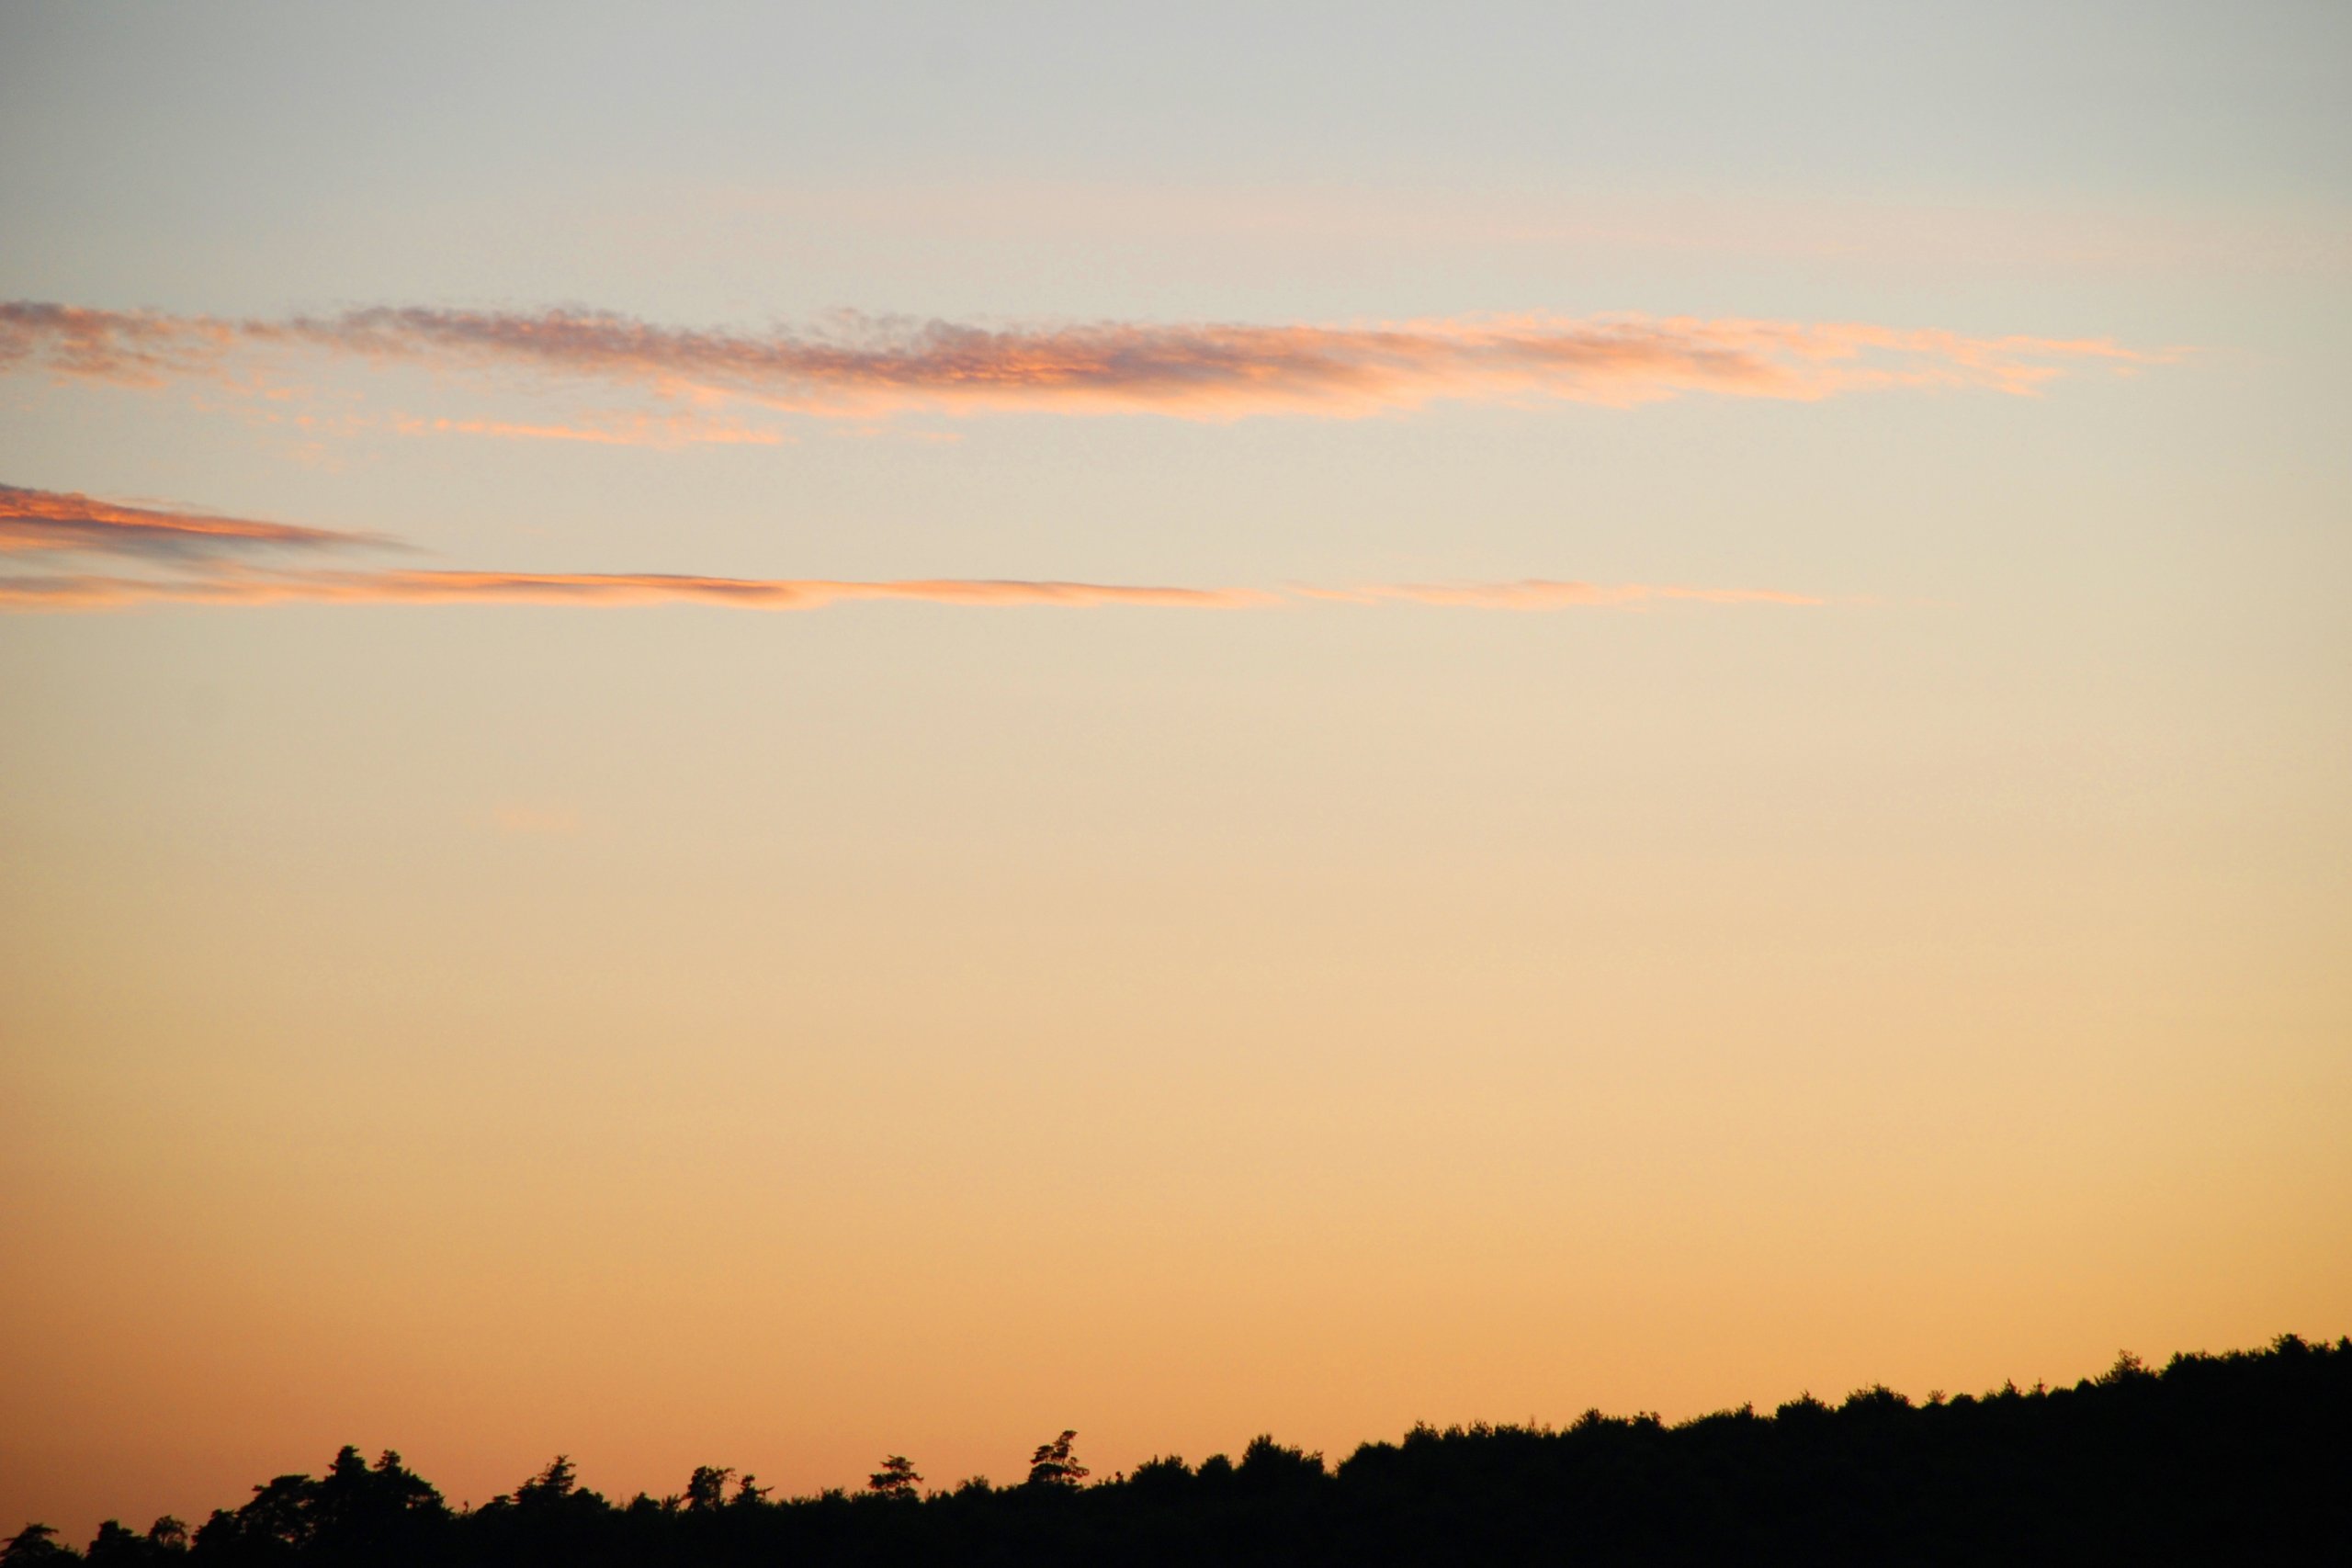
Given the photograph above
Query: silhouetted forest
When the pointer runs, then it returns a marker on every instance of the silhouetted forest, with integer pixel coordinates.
(2240, 1458)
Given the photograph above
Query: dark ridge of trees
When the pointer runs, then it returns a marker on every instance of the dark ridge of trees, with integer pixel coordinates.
(2240, 1458)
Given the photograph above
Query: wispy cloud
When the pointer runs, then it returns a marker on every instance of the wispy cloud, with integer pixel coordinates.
(638, 430)
(138, 347)
(92, 591)
(64, 522)
(253, 586)
(1541, 594)
(203, 558)
(863, 367)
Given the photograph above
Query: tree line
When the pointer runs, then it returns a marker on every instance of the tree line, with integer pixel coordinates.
(2241, 1457)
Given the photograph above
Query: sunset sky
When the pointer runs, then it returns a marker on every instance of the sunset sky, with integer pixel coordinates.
(756, 735)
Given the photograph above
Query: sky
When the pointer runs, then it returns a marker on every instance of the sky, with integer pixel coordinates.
(760, 736)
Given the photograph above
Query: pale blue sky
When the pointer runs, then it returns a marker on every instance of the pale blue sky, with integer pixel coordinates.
(1943, 983)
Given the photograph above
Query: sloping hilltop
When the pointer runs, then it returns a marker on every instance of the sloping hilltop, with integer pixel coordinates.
(2237, 1458)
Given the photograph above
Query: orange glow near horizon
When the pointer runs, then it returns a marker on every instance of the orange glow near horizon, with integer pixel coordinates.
(760, 736)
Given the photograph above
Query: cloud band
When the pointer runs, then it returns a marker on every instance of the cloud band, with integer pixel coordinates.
(864, 367)
(67, 522)
(199, 558)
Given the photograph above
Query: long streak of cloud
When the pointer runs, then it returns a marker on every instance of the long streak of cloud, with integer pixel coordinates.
(92, 592)
(1543, 593)
(101, 592)
(677, 430)
(863, 367)
(65, 522)
(201, 557)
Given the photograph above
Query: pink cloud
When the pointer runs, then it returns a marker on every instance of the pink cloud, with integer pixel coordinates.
(86, 592)
(640, 430)
(138, 347)
(251, 586)
(182, 553)
(857, 367)
(67, 523)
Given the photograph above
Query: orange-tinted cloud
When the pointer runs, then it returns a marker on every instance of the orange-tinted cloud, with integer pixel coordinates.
(861, 366)
(183, 552)
(139, 347)
(90, 591)
(1541, 593)
(640, 430)
(67, 523)
(249, 586)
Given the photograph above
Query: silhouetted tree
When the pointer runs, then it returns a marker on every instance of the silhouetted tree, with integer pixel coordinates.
(1267, 1465)
(552, 1485)
(1054, 1465)
(897, 1479)
(707, 1488)
(36, 1543)
(278, 1518)
(2213, 1458)
(118, 1546)
(1161, 1477)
